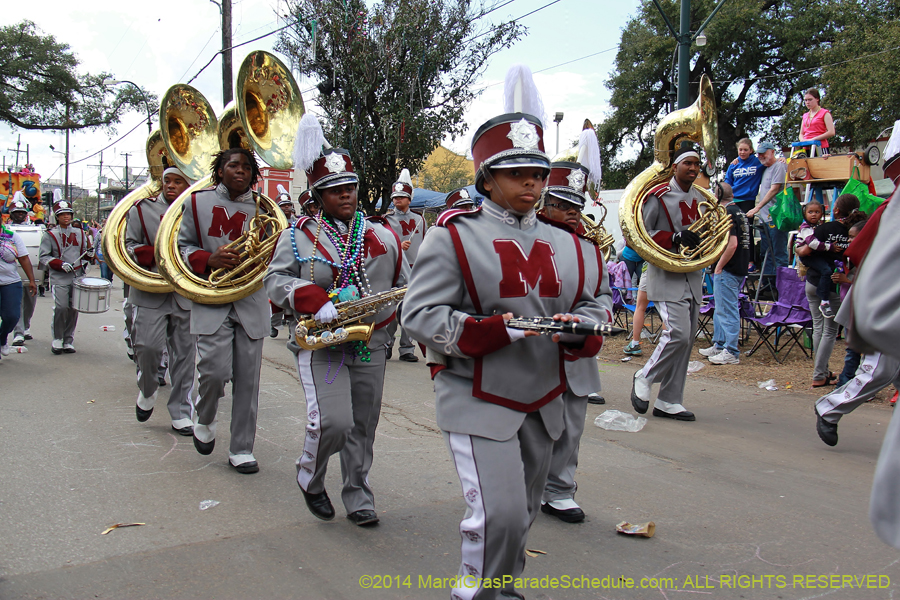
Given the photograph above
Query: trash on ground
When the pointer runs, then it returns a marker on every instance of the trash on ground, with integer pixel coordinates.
(208, 504)
(120, 525)
(533, 553)
(765, 384)
(107, 328)
(641, 529)
(616, 420)
(91, 401)
(626, 359)
(694, 366)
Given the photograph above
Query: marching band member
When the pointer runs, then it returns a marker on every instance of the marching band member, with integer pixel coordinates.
(63, 251)
(340, 255)
(18, 215)
(230, 336)
(161, 321)
(459, 199)
(668, 211)
(308, 204)
(410, 227)
(499, 396)
(286, 205)
(564, 199)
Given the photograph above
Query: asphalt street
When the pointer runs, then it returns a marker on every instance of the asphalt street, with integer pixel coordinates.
(747, 501)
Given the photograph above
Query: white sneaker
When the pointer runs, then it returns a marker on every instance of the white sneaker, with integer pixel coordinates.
(724, 358)
(56, 346)
(711, 351)
(28, 334)
(19, 340)
(4, 349)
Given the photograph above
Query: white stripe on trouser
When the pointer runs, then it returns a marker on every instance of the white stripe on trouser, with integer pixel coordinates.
(306, 463)
(874, 373)
(664, 339)
(472, 527)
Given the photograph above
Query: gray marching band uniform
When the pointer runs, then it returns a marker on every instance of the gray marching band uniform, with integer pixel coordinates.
(499, 403)
(343, 393)
(875, 372)
(160, 321)
(60, 246)
(582, 379)
(677, 296)
(409, 226)
(230, 341)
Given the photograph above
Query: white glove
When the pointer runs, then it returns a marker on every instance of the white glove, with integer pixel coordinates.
(515, 334)
(327, 313)
(68, 268)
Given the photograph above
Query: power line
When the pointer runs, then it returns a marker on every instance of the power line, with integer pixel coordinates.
(265, 35)
(516, 19)
(119, 139)
(568, 62)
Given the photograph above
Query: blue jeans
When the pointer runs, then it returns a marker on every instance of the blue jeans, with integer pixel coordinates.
(852, 359)
(726, 319)
(777, 240)
(106, 272)
(10, 308)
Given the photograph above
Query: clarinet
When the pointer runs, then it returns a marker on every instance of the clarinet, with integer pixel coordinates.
(547, 326)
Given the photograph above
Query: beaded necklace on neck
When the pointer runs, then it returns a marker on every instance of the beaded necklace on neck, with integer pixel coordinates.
(351, 253)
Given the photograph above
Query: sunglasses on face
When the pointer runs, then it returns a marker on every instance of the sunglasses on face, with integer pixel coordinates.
(564, 206)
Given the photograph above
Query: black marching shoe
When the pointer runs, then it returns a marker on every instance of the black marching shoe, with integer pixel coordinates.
(684, 415)
(319, 505)
(273, 333)
(185, 431)
(569, 515)
(203, 448)
(141, 414)
(388, 353)
(363, 517)
(247, 468)
(409, 358)
(827, 431)
(639, 405)
(596, 399)
(161, 381)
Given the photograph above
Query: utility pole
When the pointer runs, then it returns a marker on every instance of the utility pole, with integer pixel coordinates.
(68, 191)
(18, 145)
(225, 10)
(127, 175)
(99, 176)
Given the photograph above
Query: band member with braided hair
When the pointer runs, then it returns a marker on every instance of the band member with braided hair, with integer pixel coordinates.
(230, 336)
(340, 255)
(668, 211)
(161, 321)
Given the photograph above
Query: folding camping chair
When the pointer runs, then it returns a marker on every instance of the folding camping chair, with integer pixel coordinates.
(788, 315)
(624, 313)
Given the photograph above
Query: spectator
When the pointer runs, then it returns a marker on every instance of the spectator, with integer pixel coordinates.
(12, 249)
(744, 175)
(844, 278)
(772, 239)
(846, 213)
(817, 124)
(728, 278)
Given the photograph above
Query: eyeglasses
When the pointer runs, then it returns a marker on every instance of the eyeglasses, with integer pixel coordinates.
(564, 206)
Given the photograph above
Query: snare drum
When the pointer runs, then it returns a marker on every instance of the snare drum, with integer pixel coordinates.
(91, 294)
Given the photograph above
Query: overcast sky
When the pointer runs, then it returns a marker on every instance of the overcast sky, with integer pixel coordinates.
(168, 41)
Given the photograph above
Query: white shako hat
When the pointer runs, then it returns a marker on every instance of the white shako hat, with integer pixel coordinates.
(61, 206)
(459, 199)
(568, 180)
(403, 185)
(284, 198)
(325, 166)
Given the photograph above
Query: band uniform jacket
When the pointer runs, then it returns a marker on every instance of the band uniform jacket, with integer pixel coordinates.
(668, 210)
(210, 220)
(582, 374)
(60, 246)
(489, 262)
(409, 226)
(140, 236)
(289, 283)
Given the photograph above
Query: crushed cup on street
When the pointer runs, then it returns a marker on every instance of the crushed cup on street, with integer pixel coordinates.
(641, 529)
(208, 504)
(19, 349)
(616, 420)
(767, 385)
(694, 366)
(107, 328)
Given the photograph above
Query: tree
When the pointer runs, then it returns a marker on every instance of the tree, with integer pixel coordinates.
(396, 77)
(446, 172)
(40, 87)
(760, 55)
(859, 71)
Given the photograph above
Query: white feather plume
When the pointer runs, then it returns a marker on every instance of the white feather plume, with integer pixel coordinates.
(893, 145)
(281, 190)
(520, 94)
(405, 177)
(309, 142)
(57, 195)
(589, 154)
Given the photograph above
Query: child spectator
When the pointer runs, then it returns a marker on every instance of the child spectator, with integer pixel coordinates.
(820, 263)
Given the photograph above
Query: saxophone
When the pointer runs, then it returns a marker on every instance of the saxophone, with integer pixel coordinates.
(312, 335)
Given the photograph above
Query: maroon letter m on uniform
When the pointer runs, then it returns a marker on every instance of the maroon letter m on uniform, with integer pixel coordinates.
(223, 225)
(521, 272)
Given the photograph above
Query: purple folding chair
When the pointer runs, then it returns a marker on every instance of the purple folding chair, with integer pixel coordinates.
(789, 315)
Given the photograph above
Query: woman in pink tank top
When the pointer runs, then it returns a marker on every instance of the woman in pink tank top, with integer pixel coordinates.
(817, 123)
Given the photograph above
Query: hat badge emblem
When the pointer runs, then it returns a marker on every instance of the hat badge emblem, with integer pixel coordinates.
(64, 204)
(523, 135)
(334, 163)
(464, 193)
(398, 187)
(576, 179)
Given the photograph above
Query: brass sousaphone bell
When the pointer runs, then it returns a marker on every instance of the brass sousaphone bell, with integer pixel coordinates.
(269, 108)
(697, 123)
(115, 254)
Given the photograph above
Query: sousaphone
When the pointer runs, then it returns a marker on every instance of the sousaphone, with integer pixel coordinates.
(269, 108)
(696, 123)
